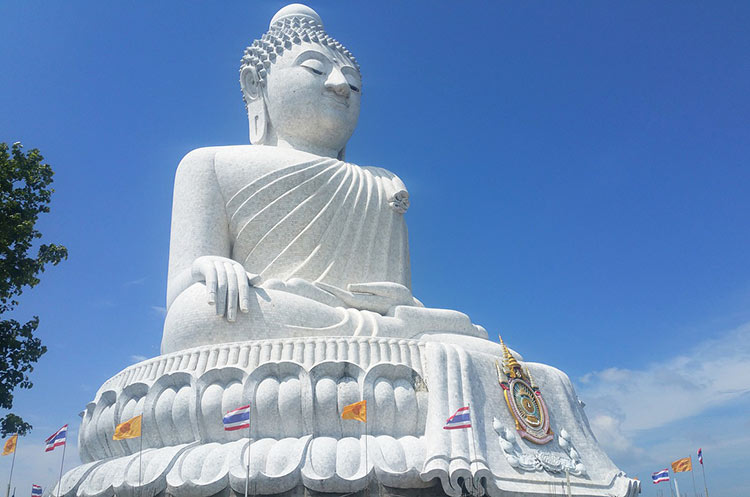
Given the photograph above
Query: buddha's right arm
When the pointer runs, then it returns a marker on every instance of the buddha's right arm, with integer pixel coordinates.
(199, 221)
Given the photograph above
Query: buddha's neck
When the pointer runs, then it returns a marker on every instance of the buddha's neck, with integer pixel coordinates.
(307, 147)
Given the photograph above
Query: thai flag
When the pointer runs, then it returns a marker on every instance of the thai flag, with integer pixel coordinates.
(700, 456)
(237, 419)
(660, 476)
(461, 419)
(36, 491)
(57, 439)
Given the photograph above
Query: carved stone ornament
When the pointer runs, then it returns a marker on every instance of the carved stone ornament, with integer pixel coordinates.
(537, 460)
(524, 400)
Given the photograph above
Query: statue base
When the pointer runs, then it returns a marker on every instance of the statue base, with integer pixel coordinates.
(299, 445)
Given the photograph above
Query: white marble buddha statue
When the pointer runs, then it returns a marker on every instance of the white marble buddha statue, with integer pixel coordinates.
(289, 291)
(283, 238)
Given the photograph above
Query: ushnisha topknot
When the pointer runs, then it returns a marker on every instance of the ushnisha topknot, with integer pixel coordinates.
(292, 25)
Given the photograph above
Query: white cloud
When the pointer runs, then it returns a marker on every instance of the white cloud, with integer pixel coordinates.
(138, 281)
(160, 310)
(608, 430)
(138, 358)
(623, 403)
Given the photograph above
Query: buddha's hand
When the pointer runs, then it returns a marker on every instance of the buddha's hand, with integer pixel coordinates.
(227, 284)
(378, 297)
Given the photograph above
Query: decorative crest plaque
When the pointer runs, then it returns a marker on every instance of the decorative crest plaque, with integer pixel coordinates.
(524, 399)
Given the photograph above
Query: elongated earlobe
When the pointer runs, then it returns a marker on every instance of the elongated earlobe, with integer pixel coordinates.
(256, 105)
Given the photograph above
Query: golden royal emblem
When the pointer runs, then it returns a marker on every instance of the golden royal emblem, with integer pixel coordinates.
(524, 399)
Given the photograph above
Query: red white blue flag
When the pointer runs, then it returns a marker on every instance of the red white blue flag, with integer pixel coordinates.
(660, 476)
(36, 491)
(57, 439)
(237, 419)
(700, 456)
(460, 419)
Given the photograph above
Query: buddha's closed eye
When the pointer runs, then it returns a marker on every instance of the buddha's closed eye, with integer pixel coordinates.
(314, 66)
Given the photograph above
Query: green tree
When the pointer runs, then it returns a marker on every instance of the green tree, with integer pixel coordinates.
(24, 194)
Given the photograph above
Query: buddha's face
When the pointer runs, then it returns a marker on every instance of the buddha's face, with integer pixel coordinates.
(313, 97)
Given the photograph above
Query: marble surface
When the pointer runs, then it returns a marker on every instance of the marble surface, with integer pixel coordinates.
(297, 388)
(289, 288)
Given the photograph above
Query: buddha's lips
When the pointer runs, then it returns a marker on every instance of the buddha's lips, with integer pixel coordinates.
(343, 101)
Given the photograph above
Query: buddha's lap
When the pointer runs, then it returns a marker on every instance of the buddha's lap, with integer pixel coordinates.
(191, 321)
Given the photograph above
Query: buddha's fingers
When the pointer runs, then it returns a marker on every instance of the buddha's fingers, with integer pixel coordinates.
(243, 287)
(203, 269)
(336, 291)
(394, 291)
(232, 291)
(368, 302)
(221, 288)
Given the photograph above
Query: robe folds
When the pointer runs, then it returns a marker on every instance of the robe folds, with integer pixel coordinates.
(322, 220)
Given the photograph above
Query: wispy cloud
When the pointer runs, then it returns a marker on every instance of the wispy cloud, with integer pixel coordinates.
(138, 281)
(621, 403)
(138, 358)
(160, 310)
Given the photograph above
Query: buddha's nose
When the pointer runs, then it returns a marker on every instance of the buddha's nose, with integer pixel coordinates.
(337, 83)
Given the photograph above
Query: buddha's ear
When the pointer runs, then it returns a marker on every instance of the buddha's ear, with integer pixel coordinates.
(342, 154)
(256, 105)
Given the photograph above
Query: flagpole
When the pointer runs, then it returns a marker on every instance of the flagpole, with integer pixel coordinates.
(140, 459)
(703, 469)
(62, 462)
(249, 445)
(471, 461)
(671, 490)
(676, 487)
(13, 463)
(367, 468)
(693, 476)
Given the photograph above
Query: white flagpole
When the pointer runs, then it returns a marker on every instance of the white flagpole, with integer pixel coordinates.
(62, 462)
(693, 476)
(13, 463)
(671, 490)
(140, 459)
(676, 487)
(249, 445)
(471, 460)
(703, 469)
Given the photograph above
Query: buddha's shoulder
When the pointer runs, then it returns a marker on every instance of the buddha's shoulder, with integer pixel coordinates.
(208, 157)
(247, 157)
(230, 163)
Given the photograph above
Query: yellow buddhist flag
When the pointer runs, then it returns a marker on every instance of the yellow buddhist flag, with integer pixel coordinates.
(129, 429)
(684, 464)
(10, 445)
(356, 411)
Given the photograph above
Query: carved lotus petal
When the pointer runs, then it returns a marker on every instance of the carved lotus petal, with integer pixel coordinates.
(497, 426)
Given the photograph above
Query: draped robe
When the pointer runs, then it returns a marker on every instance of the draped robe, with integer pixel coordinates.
(321, 220)
(297, 219)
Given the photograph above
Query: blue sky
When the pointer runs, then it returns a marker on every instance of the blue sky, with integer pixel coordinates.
(578, 174)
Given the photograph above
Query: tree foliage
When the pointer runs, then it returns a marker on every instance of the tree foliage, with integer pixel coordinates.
(24, 194)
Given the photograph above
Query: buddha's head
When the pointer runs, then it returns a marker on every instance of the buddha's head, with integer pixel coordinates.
(301, 87)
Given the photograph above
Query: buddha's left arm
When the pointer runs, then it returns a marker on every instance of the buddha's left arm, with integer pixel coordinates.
(199, 221)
